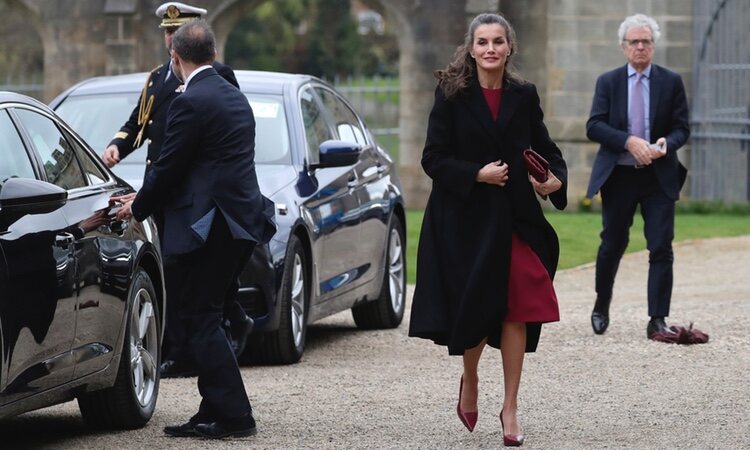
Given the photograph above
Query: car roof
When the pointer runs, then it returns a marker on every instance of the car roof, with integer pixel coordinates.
(249, 80)
(12, 97)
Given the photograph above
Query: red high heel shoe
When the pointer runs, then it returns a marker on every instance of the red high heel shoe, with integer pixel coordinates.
(469, 419)
(510, 440)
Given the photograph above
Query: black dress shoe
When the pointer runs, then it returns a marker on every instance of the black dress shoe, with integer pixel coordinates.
(176, 369)
(186, 429)
(240, 427)
(599, 322)
(239, 331)
(657, 325)
(600, 315)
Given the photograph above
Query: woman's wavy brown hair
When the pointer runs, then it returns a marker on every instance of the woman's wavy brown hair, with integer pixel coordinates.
(457, 75)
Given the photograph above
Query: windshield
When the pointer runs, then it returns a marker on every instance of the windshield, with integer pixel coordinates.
(98, 117)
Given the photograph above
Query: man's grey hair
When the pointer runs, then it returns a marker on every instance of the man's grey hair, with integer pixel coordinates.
(195, 42)
(639, 21)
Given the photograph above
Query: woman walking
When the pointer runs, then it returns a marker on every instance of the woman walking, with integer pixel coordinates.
(487, 255)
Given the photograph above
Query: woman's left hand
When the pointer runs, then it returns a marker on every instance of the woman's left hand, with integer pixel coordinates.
(551, 185)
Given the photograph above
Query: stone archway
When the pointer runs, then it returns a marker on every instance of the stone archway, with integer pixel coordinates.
(22, 47)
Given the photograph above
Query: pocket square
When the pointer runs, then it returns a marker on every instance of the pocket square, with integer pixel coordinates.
(536, 165)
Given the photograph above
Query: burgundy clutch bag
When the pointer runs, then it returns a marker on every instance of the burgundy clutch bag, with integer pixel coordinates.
(536, 165)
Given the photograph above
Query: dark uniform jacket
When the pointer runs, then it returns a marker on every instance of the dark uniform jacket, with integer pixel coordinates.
(206, 168)
(148, 120)
(463, 260)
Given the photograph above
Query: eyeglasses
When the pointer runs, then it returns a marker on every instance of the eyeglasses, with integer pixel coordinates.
(635, 42)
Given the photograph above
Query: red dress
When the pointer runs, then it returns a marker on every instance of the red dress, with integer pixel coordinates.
(531, 296)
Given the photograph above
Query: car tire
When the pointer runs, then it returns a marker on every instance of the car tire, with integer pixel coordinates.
(387, 311)
(286, 344)
(130, 403)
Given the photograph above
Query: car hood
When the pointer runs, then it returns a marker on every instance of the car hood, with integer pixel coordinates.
(274, 177)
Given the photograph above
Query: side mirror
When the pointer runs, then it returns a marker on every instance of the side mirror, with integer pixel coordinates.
(335, 153)
(21, 196)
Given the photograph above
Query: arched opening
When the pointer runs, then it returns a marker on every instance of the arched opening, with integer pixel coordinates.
(329, 39)
(21, 50)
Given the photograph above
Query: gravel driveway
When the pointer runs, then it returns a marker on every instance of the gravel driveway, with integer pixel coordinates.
(380, 389)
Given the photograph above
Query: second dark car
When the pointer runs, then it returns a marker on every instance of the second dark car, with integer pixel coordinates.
(341, 223)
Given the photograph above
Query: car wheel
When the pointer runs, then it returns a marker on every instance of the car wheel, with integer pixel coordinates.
(130, 402)
(286, 344)
(387, 310)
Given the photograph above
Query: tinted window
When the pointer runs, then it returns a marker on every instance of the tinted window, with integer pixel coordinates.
(58, 157)
(91, 171)
(14, 161)
(347, 125)
(316, 128)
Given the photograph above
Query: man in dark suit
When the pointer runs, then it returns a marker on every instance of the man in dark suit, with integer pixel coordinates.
(214, 214)
(639, 115)
(147, 122)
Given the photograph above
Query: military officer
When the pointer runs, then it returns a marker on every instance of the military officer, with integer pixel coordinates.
(147, 123)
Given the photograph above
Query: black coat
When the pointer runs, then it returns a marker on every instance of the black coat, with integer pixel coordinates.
(207, 165)
(464, 248)
(162, 90)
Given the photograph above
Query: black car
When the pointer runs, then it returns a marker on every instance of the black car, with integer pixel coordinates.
(81, 294)
(341, 224)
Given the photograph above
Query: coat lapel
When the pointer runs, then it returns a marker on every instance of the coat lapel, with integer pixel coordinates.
(478, 107)
(653, 96)
(621, 96)
(169, 86)
(508, 106)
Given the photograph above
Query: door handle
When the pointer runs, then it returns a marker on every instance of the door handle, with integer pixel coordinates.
(352, 183)
(119, 226)
(63, 240)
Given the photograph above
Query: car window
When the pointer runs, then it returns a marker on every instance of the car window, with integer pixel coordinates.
(316, 127)
(91, 171)
(58, 158)
(14, 161)
(347, 125)
(271, 132)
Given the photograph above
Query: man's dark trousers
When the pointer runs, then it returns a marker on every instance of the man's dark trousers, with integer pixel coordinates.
(204, 277)
(625, 189)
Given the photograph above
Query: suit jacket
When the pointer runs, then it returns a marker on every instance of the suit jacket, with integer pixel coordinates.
(608, 125)
(465, 243)
(154, 119)
(206, 167)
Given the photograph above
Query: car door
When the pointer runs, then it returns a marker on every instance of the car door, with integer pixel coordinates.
(332, 207)
(38, 301)
(370, 190)
(103, 253)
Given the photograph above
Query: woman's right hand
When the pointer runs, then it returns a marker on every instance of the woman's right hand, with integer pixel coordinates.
(495, 172)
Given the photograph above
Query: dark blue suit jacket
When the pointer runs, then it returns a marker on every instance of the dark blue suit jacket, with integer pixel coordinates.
(608, 125)
(206, 167)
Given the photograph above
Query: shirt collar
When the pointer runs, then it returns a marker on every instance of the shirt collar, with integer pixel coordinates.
(195, 72)
(646, 73)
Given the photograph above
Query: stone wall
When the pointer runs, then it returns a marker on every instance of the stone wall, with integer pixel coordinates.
(582, 43)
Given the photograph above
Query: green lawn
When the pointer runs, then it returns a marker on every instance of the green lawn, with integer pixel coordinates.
(579, 233)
